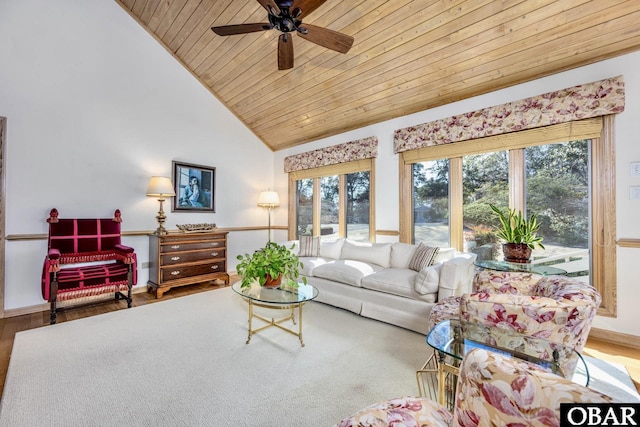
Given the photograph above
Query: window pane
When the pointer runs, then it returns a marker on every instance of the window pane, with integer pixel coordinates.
(329, 207)
(557, 177)
(485, 180)
(304, 207)
(358, 206)
(431, 202)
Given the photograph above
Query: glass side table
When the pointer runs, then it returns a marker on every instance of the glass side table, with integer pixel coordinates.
(544, 270)
(452, 339)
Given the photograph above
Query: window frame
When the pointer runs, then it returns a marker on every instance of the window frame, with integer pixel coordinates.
(603, 223)
(342, 169)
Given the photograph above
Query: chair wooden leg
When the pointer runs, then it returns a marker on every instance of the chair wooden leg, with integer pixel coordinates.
(129, 285)
(53, 296)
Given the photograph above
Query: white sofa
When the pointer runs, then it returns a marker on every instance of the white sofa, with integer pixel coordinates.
(374, 279)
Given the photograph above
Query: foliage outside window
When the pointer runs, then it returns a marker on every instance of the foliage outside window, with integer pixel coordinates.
(333, 201)
(562, 183)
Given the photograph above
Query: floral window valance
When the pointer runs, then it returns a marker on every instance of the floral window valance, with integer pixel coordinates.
(365, 148)
(579, 102)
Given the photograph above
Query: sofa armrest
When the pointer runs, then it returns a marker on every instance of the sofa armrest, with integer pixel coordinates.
(456, 276)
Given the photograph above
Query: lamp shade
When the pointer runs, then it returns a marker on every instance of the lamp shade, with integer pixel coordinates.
(268, 199)
(160, 186)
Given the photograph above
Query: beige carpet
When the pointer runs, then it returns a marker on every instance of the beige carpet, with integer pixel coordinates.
(184, 362)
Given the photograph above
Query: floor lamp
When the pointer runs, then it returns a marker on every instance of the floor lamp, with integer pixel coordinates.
(269, 200)
(160, 187)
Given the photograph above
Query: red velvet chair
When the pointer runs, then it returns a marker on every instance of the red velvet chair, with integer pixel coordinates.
(85, 258)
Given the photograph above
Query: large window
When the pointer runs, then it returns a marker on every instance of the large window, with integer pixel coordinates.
(563, 175)
(343, 205)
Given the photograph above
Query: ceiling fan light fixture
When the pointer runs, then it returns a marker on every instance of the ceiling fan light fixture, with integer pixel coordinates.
(284, 19)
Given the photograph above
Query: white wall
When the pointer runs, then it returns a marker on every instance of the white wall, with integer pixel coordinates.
(627, 150)
(94, 107)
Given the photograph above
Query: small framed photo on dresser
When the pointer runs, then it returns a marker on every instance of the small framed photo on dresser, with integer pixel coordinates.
(194, 186)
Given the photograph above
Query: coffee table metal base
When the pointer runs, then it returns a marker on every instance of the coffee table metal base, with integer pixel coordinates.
(276, 322)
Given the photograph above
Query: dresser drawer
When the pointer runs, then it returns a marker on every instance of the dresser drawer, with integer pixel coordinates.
(179, 272)
(181, 257)
(190, 246)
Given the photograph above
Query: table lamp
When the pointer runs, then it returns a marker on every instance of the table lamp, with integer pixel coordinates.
(160, 187)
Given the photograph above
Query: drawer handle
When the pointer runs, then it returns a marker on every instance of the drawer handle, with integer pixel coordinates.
(175, 247)
(214, 267)
(175, 258)
(214, 253)
(175, 272)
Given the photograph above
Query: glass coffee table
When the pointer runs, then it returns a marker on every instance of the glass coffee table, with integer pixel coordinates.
(280, 298)
(452, 339)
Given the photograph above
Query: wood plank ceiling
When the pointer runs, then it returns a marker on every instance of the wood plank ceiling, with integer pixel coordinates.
(408, 56)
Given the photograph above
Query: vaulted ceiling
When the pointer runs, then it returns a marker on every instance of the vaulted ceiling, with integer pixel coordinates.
(407, 56)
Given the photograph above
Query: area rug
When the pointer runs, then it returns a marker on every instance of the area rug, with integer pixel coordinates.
(184, 362)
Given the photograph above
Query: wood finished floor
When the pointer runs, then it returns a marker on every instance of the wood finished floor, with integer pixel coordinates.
(628, 356)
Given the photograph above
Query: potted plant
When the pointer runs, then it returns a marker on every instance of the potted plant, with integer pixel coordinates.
(269, 266)
(519, 234)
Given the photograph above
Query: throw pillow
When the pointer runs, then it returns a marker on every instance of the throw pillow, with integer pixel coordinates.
(423, 257)
(309, 246)
(428, 280)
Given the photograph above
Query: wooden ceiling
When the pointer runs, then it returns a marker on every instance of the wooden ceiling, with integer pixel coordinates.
(408, 56)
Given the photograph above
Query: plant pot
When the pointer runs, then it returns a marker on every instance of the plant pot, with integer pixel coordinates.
(273, 283)
(516, 252)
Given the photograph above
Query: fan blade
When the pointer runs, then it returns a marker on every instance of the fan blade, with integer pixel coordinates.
(285, 52)
(306, 6)
(230, 30)
(270, 3)
(327, 38)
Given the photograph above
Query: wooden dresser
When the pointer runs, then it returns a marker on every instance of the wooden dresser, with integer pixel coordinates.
(179, 259)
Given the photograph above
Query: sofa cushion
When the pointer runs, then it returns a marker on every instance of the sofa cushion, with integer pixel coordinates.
(396, 281)
(374, 253)
(331, 248)
(309, 246)
(401, 254)
(423, 257)
(310, 264)
(427, 281)
(345, 271)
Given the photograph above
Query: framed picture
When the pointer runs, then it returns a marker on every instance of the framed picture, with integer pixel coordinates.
(194, 186)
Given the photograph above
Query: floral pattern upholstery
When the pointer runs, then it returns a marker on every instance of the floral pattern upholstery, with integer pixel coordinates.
(557, 308)
(498, 390)
(492, 390)
(404, 411)
(448, 308)
(505, 282)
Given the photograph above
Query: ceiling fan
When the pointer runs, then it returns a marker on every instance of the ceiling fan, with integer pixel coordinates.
(286, 17)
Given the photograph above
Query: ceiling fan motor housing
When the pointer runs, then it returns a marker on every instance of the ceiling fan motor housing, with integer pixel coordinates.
(284, 22)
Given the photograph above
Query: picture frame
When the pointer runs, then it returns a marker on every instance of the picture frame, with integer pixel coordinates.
(194, 186)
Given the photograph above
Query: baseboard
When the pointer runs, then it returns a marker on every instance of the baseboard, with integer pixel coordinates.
(45, 306)
(615, 337)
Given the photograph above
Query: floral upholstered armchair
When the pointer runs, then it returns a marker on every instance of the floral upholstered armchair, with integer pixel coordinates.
(85, 258)
(492, 390)
(557, 308)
